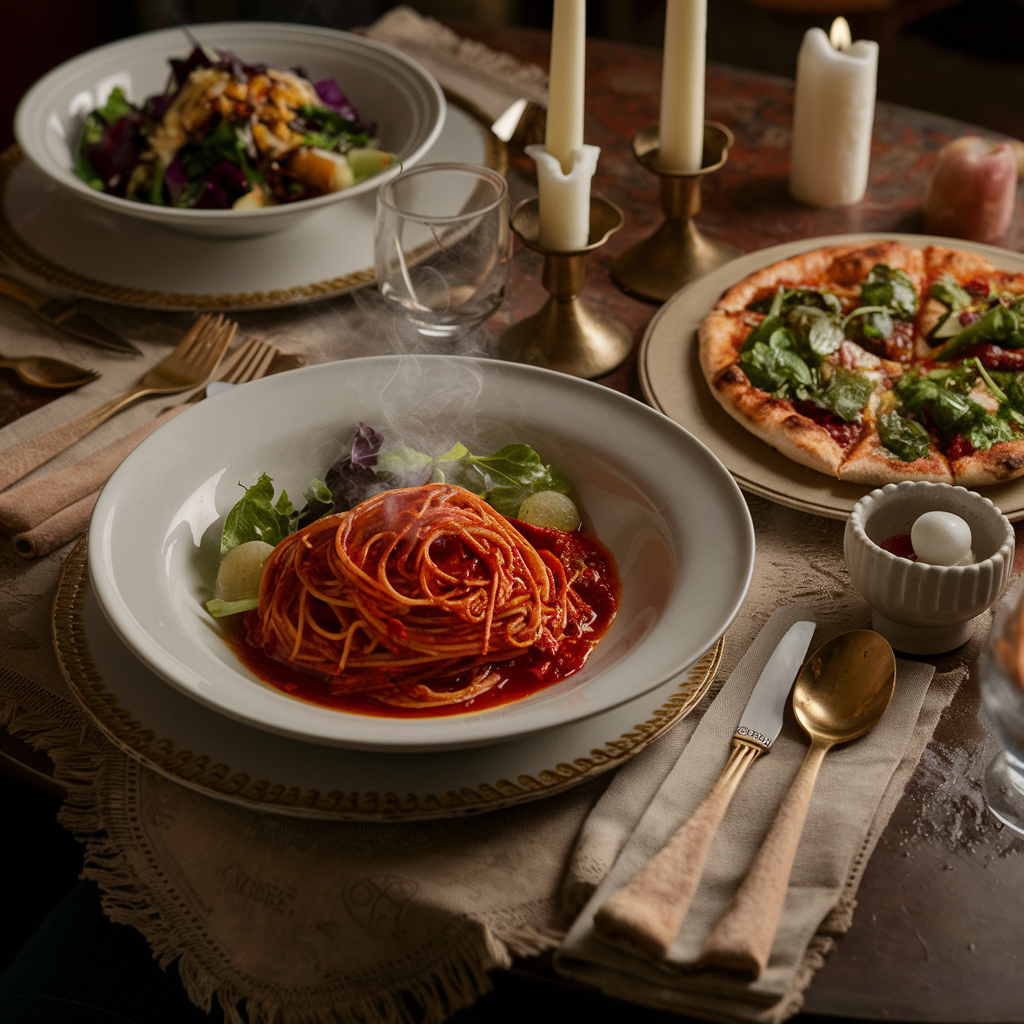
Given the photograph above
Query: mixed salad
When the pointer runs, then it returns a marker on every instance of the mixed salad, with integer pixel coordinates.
(514, 481)
(228, 135)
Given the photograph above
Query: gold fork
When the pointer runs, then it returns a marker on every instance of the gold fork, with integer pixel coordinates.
(251, 361)
(191, 361)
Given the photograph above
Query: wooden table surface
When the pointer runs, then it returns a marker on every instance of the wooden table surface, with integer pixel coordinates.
(935, 936)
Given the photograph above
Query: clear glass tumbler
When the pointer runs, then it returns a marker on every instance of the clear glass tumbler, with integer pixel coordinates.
(443, 246)
(1001, 674)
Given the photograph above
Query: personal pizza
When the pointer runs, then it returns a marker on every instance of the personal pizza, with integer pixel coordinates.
(877, 362)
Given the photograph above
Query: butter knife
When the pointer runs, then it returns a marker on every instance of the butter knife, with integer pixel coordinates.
(66, 315)
(649, 911)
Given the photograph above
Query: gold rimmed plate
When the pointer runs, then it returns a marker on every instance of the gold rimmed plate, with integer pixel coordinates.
(66, 243)
(163, 729)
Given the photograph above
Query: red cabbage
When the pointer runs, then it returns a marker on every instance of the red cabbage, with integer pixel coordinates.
(352, 479)
(114, 157)
(175, 178)
(334, 99)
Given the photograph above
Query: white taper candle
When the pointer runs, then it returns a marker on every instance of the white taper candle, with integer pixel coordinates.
(566, 80)
(681, 124)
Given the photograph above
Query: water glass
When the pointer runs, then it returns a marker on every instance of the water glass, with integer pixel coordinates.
(443, 247)
(1001, 674)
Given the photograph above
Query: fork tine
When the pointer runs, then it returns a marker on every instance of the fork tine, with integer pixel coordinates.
(241, 358)
(252, 361)
(263, 363)
(218, 343)
(192, 337)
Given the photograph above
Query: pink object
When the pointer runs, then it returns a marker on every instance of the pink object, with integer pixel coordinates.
(973, 190)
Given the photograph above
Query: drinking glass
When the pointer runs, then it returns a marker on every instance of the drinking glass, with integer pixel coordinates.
(1002, 691)
(443, 247)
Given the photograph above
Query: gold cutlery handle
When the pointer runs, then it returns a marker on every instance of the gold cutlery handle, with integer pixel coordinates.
(743, 938)
(20, 459)
(23, 293)
(649, 911)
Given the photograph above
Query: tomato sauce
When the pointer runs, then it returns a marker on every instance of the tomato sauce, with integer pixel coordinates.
(596, 582)
(993, 357)
(843, 433)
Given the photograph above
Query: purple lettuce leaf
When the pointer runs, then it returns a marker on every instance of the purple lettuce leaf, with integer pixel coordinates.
(181, 69)
(365, 446)
(233, 63)
(334, 99)
(175, 178)
(352, 479)
(114, 157)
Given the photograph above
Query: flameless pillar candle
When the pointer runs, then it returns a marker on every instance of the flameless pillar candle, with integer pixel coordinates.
(681, 124)
(973, 190)
(564, 165)
(833, 113)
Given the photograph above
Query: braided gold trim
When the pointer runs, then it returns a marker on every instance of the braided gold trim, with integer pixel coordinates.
(208, 775)
(19, 252)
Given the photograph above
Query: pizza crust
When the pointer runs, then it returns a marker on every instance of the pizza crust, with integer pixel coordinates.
(996, 465)
(776, 422)
(870, 462)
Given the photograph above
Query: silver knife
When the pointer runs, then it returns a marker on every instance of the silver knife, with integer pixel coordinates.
(66, 315)
(646, 912)
(761, 720)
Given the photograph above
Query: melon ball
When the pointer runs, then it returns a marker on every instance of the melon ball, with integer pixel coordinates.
(239, 575)
(551, 509)
(941, 538)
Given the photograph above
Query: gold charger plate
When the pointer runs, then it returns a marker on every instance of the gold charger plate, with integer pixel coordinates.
(58, 239)
(165, 730)
(673, 383)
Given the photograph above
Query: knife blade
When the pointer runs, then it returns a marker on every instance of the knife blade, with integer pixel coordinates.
(66, 315)
(649, 911)
(761, 720)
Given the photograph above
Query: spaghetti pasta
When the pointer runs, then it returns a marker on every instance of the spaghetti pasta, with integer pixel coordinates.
(417, 597)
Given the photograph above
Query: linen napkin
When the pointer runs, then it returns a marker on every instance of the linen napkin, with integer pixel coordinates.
(493, 81)
(847, 813)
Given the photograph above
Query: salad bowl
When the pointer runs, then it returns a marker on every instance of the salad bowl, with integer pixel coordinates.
(384, 86)
(658, 500)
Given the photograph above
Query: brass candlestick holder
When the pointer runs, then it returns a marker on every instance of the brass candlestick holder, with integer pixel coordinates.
(677, 252)
(566, 334)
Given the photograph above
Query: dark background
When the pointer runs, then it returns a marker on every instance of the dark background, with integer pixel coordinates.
(965, 60)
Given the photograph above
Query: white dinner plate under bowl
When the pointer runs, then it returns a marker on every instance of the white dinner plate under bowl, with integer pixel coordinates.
(384, 85)
(65, 243)
(664, 506)
(673, 382)
(160, 727)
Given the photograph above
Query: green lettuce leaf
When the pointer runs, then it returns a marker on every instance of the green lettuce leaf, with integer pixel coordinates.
(998, 324)
(218, 609)
(256, 516)
(907, 440)
(847, 394)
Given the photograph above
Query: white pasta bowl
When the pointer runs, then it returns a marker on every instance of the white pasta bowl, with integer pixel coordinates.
(663, 505)
(383, 84)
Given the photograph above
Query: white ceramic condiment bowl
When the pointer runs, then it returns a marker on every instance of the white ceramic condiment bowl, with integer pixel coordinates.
(384, 85)
(919, 608)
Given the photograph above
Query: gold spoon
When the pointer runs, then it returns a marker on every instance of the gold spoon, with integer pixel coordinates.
(48, 373)
(839, 695)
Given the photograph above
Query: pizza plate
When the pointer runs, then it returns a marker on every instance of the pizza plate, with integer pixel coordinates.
(673, 383)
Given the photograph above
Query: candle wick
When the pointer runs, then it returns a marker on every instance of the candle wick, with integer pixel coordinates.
(839, 35)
